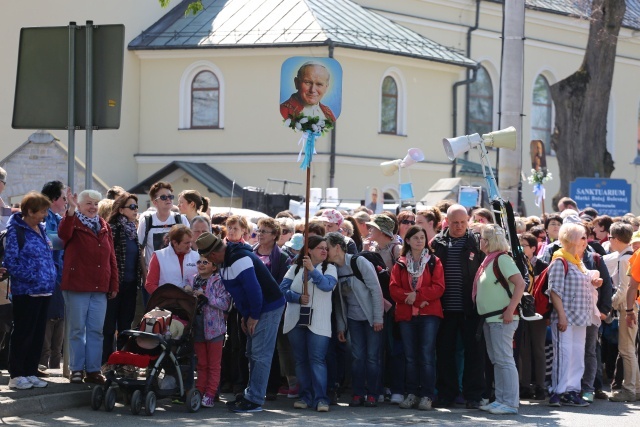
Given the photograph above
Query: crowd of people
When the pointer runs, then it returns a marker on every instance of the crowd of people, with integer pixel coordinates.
(418, 308)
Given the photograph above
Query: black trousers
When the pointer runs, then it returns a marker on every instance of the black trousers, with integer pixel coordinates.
(119, 316)
(29, 322)
(473, 371)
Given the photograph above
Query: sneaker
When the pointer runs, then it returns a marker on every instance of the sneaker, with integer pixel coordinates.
(371, 401)
(37, 382)
(396, 398)
(246, 406)
(381, 398)
(489, 406)
(588, 396)
(623, 396)
(207, 401)
(502, 409)
(599, 394)
(293, 392)
(425, 404)
(41, 374)
(356, 400)
(20, 383)
(571, 398)
(409, 402)
(300, 404)
(283, 391)
(554, 400)
(322, 407)
(484, 402)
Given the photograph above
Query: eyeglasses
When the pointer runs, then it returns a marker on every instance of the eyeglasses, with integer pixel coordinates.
(165, 197)
(202, 262)
(525, 246)
(407, 222)
(286, 232)
(264, 232)
(132, 206)
(322, 248)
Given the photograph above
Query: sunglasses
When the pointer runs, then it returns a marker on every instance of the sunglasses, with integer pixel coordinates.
(264, 232)
(407, 222)
(164, 197)
(132, 206)
(202, 262)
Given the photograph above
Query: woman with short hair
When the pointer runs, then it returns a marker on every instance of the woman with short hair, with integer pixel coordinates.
(237, 227)
(29, 261)
(89, 278)
(174, 264)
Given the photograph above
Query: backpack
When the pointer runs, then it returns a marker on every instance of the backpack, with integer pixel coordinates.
(148, 226)
(3, 236)
(540, 287)
(527, 304)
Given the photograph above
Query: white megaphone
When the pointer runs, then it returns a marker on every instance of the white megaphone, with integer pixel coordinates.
(461, 144)
(413, 155)
(390, 167)
(505, 138)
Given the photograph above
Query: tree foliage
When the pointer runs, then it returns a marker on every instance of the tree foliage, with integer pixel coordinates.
(192, 8)
(582, 101)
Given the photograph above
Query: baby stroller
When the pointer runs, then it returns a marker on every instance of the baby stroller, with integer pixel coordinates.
(167, 359)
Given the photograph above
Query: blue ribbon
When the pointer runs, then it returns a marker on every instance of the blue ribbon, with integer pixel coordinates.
(309, 148)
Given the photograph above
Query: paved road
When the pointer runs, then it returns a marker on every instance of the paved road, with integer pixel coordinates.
(281, 414)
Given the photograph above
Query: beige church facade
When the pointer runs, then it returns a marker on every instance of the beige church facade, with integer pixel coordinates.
(247, 142)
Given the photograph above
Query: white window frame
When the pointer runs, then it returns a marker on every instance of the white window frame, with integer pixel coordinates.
(184, 120)
(401, 113)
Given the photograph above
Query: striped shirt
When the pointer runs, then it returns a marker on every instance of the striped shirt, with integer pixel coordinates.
(452, 299)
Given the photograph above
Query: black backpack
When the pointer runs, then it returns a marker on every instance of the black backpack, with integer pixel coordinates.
(157, 241)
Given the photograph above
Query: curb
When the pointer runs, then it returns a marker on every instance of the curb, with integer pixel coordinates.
(44, 403)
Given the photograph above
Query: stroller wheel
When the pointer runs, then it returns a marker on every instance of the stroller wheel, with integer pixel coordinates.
(136, 402)
(97, 396)
(110, 399)
(150, 403)
(194, 399)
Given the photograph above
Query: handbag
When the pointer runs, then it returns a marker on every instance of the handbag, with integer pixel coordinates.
(306, 316)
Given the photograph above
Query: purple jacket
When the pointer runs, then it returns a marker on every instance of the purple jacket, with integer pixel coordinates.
(215, 323)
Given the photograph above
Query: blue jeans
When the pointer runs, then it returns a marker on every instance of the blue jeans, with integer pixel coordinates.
(309, 351)
(499, 338)
(419, 340)
(260, 348)
(365, 350)
(85, 312)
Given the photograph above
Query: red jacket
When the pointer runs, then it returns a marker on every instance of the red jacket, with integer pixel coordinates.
(89, 259)
(431, 289)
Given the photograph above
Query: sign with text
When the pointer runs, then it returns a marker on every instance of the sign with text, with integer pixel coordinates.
(608, 196)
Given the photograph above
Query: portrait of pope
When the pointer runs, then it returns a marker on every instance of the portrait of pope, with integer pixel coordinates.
(312, 81)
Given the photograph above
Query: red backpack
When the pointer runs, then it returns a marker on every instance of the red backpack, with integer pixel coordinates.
(540, 286)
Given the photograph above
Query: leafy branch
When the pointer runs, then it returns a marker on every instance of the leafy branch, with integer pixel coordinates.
(193, 8)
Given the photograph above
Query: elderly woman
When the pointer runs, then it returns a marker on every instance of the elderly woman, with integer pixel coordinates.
(359, 306)
(174, 264)
(497, 305)
(571, 291)
(191, 204)
(122, 309)
(89, 278)
(310, 340)
(199, 224)
(28, 258)
(267, 250)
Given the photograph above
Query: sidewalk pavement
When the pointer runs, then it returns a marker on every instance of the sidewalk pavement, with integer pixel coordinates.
(57, 396)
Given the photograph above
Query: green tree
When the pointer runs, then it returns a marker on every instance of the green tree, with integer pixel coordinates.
(193, 7)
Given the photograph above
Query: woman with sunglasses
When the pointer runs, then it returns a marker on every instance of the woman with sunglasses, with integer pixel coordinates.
(209, 327)
(310, 339)
(406, 219)
(122, 309)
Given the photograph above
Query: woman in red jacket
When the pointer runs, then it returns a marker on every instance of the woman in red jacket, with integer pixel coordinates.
(417, 283)
(89, 277)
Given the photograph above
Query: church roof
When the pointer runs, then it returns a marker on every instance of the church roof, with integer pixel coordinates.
(290, 23)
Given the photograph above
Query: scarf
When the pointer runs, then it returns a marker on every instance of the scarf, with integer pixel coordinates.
(562, 253)
(411, 263)
(129, 227)
(490, 257)
(92, 223)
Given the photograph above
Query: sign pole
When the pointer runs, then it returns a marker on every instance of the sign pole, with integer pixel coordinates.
(305, 277)
(71, 155)
(88, 177)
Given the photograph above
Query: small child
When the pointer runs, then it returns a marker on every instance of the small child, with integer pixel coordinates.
(209, 327)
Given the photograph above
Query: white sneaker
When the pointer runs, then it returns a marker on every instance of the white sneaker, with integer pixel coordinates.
(37, 382)
(489, 406)
(21, 383)
(409, 402)
(397, 398)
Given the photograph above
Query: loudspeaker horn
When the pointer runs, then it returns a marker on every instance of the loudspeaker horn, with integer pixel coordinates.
(459, 145)
(414, 155)
(390, 167)
(505, 138)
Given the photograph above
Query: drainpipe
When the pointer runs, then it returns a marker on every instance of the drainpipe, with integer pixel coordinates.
(332, 154)
(471, 77)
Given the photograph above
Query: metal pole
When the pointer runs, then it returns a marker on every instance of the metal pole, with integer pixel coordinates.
(88, 178)
(70, 105)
